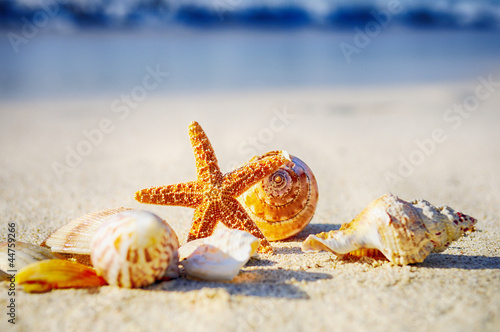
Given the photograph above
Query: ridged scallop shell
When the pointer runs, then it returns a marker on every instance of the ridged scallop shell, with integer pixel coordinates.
(283, 203)
(220, 256)
(22, 254)
(404, 232)
(134, 249)
(51, 274)
(74, 238)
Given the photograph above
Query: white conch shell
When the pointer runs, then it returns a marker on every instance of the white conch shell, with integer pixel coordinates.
(283, 203)
(134, 249)
(22, 254)
(75, 236)
(220, 256)
(403, 232)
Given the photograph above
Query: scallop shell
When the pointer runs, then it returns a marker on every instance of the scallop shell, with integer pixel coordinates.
(404, 232)
(51, 274)
(22, 254)
(283, 203)
(74, 238)
(134, 249)
(220, 256)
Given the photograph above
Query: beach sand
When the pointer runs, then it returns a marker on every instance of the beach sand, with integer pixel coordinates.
(360, 142)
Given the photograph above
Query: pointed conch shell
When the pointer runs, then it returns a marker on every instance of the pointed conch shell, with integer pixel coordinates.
(16, 255)
(220, 256)
(74, 238)
(283, 203)
(403, 232)
(134, 249)
(51, 274)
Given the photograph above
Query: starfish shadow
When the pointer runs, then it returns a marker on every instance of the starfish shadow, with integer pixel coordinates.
(465, 262)
(259, 282)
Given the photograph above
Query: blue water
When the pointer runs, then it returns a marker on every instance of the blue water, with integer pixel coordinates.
(251, 13)
(93, 64)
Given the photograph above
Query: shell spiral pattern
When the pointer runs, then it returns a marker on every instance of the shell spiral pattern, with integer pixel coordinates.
(134, 249)
(403, 232)
(283, 203)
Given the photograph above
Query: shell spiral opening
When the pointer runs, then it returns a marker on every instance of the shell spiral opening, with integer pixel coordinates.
(283, 203)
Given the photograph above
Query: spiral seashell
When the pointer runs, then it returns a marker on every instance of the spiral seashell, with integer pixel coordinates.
(134, 249)
(220, 256)
(283, 203)
(22, 254)
(403, 232)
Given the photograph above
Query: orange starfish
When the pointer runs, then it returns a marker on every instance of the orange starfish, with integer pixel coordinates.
(213, 195)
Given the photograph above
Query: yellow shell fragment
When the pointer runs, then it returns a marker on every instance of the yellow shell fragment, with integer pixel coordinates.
(51, 274)
(283, 203)
(404, 232)
(134, 249)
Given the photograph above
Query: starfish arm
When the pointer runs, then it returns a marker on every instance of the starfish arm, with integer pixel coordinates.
(207, 167)
(183, 194)
(241, 179)
(205, 219)
(234, 216)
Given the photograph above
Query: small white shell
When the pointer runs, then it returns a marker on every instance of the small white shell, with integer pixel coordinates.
(22, 254)
(134, 249)
(220, 256)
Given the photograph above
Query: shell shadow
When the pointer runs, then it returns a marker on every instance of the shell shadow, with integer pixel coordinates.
(257, 282)
(313, 229)
(260, 261)
(290, 251)
(465, 262)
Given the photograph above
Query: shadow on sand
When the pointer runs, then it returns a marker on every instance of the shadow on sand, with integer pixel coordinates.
(260, 282)
(451, 261)
(313, 229)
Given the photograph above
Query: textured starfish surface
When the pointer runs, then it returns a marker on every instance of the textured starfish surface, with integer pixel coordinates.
(213, 194)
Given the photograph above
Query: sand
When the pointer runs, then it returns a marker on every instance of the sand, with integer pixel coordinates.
(360, 142)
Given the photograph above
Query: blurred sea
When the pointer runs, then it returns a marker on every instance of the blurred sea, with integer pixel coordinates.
(262, 13)
(78, 48)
